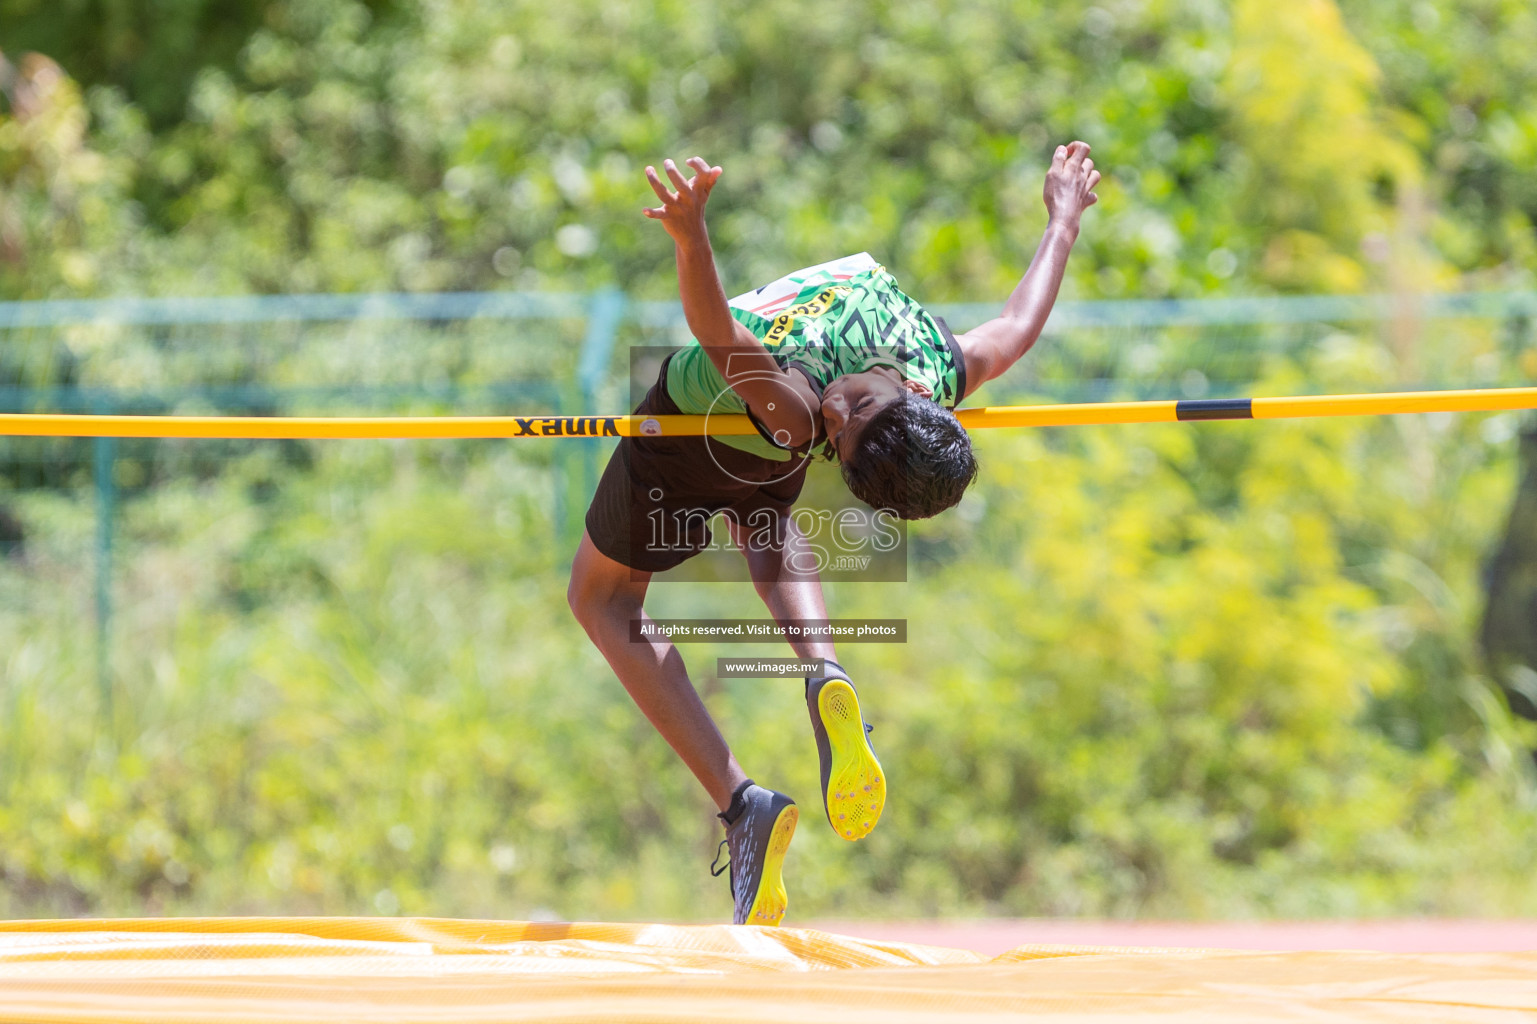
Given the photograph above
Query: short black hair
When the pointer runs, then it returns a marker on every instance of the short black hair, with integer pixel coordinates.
(913, 458)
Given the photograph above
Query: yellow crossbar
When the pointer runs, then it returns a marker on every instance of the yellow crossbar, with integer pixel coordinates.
(428, 427)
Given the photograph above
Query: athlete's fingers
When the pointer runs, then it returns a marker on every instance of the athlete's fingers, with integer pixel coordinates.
(675, 176)
(1088, 165)
(1059, 158)
(1093, 179)
(653, 214)
(704, 180)
(657, 186)
(1076, 151)
(1090, 199)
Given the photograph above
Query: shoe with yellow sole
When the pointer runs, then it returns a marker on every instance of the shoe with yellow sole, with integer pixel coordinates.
(853, 784)
(756, 842)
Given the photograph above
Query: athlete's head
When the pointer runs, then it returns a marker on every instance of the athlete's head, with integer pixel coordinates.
(898, 449)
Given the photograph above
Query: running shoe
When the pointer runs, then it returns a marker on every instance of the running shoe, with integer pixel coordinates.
(853, 785)
(756, 843)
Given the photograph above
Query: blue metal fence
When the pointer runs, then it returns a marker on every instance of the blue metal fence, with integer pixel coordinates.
(401, 353)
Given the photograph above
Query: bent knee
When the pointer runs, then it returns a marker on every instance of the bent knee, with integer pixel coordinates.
(595, 600)
(583, 596)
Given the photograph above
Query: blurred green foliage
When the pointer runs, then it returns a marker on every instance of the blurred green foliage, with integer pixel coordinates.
(1211, 671)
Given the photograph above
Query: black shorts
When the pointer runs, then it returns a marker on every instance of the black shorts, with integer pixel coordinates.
(658, 493)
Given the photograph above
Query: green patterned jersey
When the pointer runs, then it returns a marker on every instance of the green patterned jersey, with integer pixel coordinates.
(827, 321)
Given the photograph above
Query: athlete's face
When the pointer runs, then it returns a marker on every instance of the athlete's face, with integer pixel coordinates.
(851, 401)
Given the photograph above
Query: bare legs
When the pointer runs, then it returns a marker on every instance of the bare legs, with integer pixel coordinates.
(788, 594)
(604, 598)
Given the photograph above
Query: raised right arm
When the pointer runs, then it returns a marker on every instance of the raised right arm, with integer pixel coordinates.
(780, 400)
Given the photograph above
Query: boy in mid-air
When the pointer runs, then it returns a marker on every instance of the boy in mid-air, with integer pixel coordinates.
(833, 359)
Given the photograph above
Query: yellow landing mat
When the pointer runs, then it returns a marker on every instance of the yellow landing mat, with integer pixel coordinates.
(418, 969)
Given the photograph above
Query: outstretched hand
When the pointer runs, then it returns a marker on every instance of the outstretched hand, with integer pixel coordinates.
(1070, 184)
(682, 212)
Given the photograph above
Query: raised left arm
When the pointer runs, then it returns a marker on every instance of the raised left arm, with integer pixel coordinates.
(996, 345)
